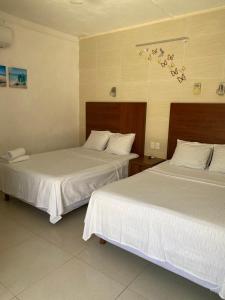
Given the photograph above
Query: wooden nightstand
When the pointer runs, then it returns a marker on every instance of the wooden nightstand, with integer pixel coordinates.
(139, 164)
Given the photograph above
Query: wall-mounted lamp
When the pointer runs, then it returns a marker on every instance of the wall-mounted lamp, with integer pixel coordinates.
(221, 89)
(112, 92)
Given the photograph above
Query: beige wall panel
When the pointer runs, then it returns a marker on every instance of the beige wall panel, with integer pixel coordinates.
(136, 91)
(87, 75)
(126, 38)
(108, 58)
(204, 45)
(130, 56)
(159, 31)
(134, 73)
(108, 42)
(88, 91)
(109, 74)
(167, 91)
(205, 67)
(157, 128)
(119, 64)
(88, 58)
(159, 109)
(103, 90)
(90, 43)
(207, 23)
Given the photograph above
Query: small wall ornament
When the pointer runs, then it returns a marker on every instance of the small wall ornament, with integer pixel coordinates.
(3, 80)
(17, 78)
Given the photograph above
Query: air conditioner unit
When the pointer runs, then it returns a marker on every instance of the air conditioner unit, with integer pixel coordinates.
(6, 36)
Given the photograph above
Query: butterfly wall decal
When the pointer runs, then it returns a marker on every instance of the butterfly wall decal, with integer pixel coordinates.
(182, 69)
(161, 52)
(181, 78)
(164, 64)
(174, 72)
(170, 57)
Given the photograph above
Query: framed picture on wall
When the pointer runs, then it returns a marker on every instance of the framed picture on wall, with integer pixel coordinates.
(17, 78)
(3, 80)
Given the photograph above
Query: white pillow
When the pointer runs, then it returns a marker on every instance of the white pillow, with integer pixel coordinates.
(191, 154)
(120, 144)
(97, 140)
(218, 159)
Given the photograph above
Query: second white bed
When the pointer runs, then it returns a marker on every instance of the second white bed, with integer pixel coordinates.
(170, 215)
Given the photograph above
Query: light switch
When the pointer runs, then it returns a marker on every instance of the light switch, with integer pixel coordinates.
(197, 88)
(152, 145)
(157, 145)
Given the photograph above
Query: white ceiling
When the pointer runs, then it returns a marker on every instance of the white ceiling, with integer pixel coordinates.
(96, 16)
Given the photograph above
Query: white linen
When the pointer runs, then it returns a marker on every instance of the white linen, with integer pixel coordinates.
(170, 214)
(18, 159)
(12, 154)
(57, 180)
(218, 159)
(16, 153)
(97, 140)
(120, 144)
(191, 154)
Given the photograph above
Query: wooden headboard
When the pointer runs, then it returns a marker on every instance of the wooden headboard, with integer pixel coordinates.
(201, 122)
(123, 117)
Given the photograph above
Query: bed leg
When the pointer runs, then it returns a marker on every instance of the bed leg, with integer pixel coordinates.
(6, 197)
(102, 242)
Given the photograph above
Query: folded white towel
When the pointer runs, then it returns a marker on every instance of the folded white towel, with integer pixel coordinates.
(18, 159)
(15, 153)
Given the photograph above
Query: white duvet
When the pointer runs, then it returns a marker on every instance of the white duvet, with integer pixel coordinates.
(62, 180)
(169, 214)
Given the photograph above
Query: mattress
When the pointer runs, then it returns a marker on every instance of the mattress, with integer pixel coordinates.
(171, 215)
(59, 181)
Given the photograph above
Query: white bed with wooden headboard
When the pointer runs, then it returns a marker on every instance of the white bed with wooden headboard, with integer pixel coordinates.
(170, 215)
(60, 181)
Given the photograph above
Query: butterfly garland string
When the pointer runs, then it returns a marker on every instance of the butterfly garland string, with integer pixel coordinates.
(166, 61)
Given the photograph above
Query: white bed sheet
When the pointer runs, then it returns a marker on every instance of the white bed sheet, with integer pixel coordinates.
(169, 214)
(59, 181)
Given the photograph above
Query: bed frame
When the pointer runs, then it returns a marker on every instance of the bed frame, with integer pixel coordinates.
(200, 122)
(123, 117)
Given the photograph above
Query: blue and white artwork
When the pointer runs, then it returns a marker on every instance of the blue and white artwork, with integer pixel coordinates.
(3, 81)
(17, 78)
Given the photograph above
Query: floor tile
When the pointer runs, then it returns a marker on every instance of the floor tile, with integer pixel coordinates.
(37, 221)
(130, 295)
(67, 241)
(74, 280)
(24, 214)
(24, 264)
(67, 234)
(116, 263)
(155, 283)
(11, 233)
(5, 294)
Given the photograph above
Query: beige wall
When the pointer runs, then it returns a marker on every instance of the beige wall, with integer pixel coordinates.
(112, 60)
(44, 116)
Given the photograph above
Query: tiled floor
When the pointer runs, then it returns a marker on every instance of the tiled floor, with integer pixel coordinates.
(40, 261)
